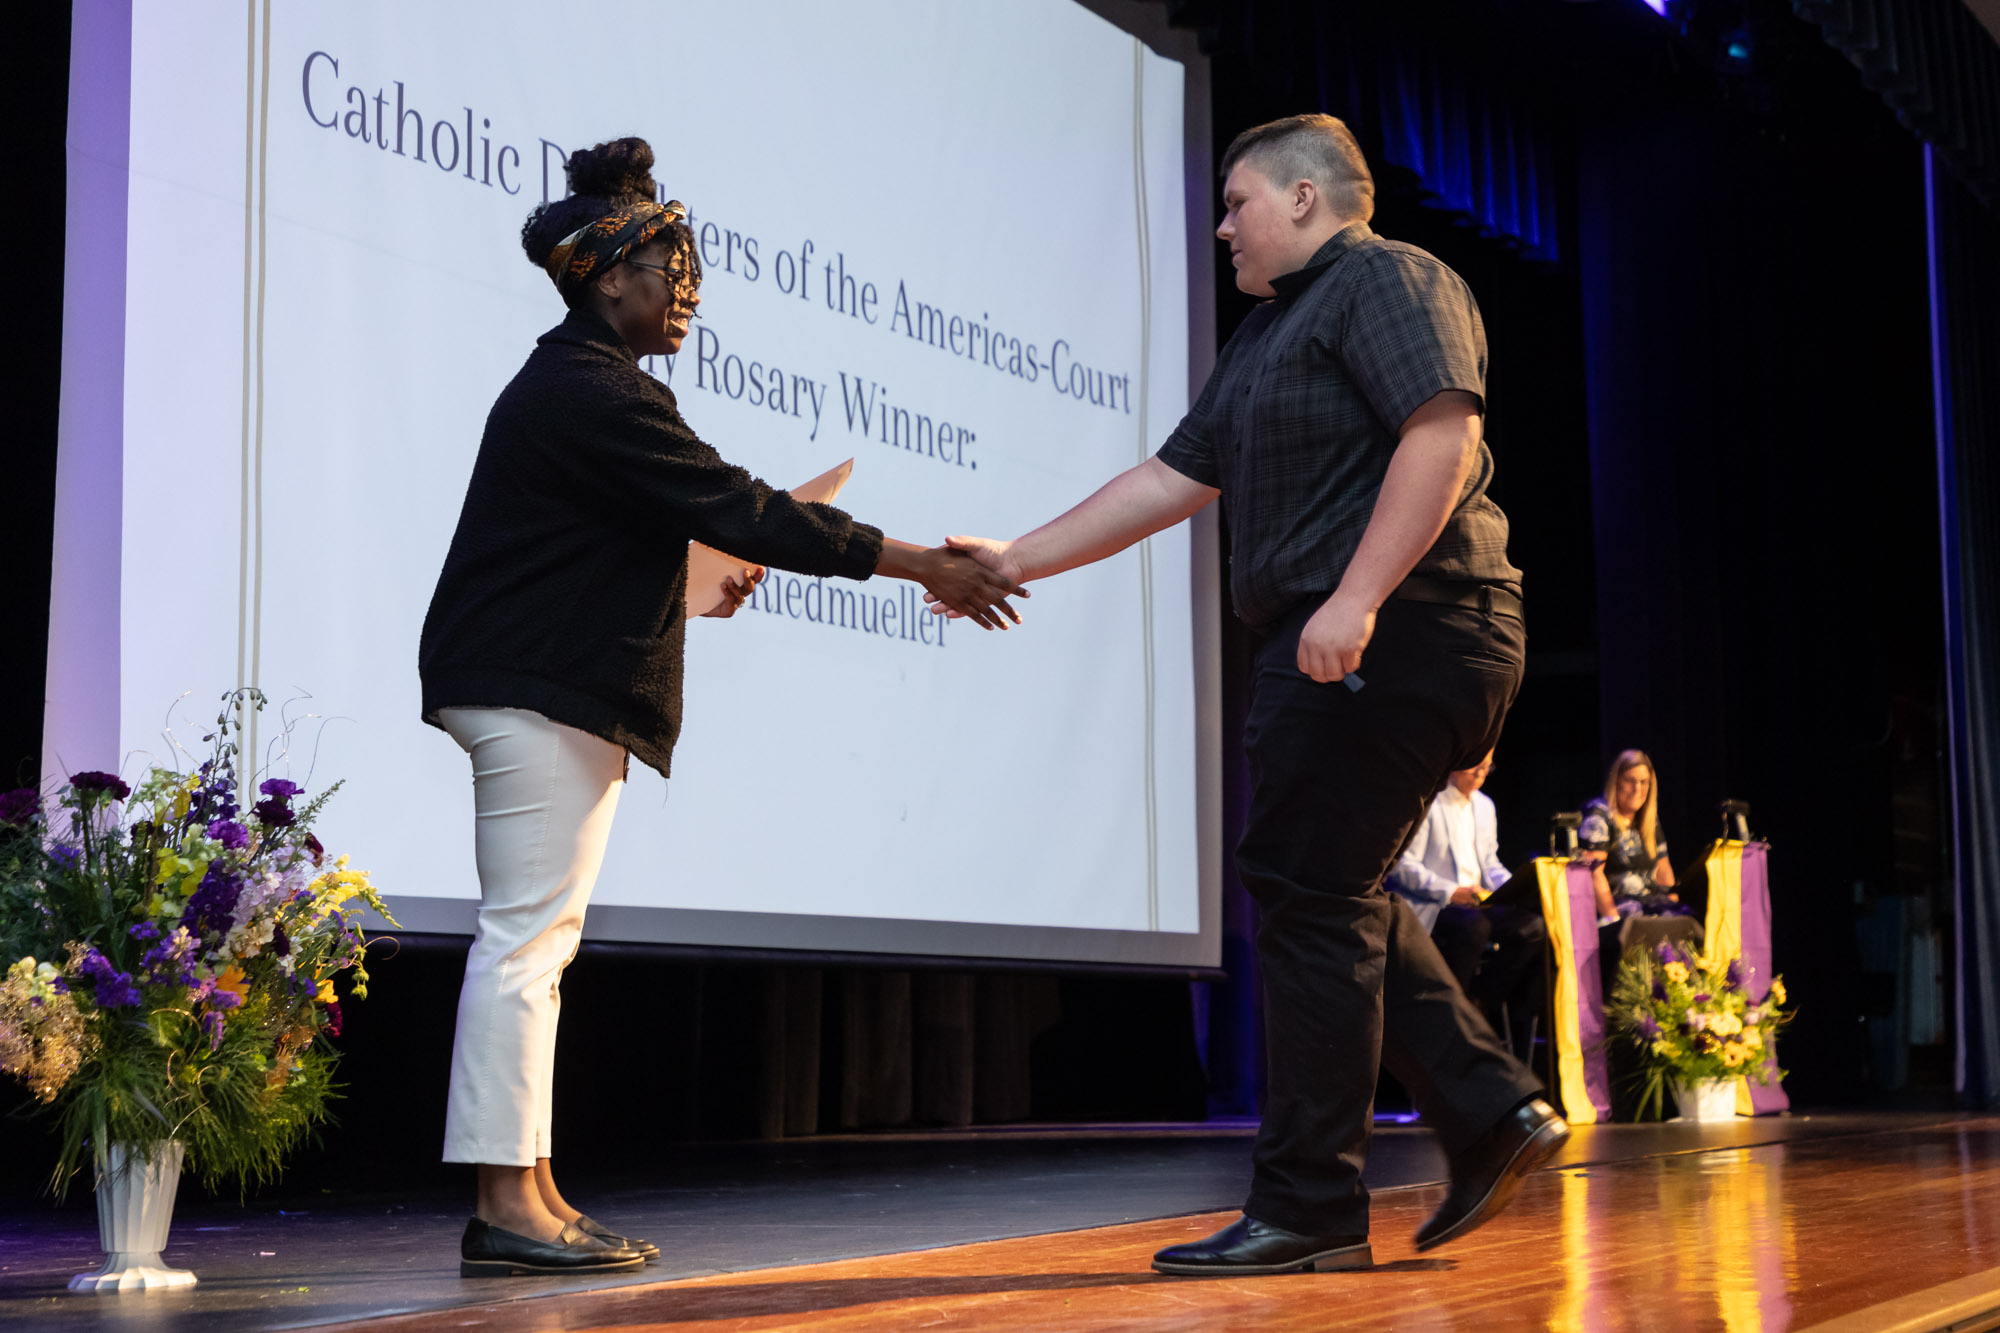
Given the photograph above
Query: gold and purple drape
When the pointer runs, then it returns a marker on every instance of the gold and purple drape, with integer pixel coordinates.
(1739, 926)
(1569, 908)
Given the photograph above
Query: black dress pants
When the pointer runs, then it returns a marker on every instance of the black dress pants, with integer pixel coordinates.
(1351, 980)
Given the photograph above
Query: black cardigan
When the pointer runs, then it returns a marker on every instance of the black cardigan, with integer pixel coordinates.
(564, 592)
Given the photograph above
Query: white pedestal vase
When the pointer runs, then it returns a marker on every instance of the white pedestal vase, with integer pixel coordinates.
(135, 1208)
(1706, 1100)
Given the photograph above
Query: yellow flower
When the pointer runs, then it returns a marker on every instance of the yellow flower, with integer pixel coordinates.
(1734, 1054)
(1754, 1039)
(1726, 1025)
(233, 981)
(1677, 972)
(325, 994)
(334, 887)
(1778, 990)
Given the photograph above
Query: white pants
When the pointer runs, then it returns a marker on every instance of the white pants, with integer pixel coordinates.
(545, 795)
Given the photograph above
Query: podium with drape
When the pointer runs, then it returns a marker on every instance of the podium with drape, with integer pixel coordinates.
(1739, 926)
(1576, 989)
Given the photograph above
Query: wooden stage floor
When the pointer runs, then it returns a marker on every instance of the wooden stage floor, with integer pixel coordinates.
(1895, 1228)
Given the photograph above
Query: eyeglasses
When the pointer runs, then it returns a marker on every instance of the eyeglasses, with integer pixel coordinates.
(676, 277)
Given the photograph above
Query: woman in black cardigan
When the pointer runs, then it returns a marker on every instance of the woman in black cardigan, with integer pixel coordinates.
(552, 651)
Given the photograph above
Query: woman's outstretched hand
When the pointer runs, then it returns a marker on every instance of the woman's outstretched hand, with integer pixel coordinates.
(955, 580)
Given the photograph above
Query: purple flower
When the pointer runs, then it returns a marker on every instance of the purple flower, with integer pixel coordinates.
(1659, 989)
(93, 782)
(211, 1025)
(218, 801)
(314, 848)
(145, 930)
(171, 960)
(282, 788)
(215, 798)
(111, 988)
(1703, 998)
(1665, 953)
(275, 813)
(66, 855)
(224, 999)
(212, 908)
(1734, 978)
(1649, 1028)
(229, 833)
(20, 806)
(59, 986)
(281, 943)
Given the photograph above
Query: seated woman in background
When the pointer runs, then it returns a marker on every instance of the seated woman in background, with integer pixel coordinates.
(1621, 836)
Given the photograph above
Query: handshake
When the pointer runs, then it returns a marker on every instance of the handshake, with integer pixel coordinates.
(969, 577)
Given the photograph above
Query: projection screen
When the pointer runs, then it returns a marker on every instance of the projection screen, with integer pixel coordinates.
(948, 241)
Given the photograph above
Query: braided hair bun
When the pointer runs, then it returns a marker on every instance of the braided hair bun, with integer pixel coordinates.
(620, 171)
(605, 177)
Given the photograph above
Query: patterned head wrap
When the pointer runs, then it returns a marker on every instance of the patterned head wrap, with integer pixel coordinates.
(596, 246)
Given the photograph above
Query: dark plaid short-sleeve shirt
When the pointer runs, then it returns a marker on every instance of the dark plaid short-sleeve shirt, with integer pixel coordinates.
(1297, 423)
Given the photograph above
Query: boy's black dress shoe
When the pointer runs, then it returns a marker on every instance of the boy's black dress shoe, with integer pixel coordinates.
(1485, 1176)
(645, 1248)
(1247, 1248)
(489, 1251)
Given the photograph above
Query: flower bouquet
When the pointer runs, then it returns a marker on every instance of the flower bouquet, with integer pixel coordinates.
(1694, 1024)
(170, 964)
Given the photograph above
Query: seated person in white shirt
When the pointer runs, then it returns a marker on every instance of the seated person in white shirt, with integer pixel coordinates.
(1451, 864)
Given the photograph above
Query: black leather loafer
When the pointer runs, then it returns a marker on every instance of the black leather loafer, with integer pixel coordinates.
(1248, 1248)
(489, 1251)
(1485, 1176)
(645, 1248)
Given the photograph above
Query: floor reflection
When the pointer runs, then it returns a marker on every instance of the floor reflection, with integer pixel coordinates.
(1679, 1242)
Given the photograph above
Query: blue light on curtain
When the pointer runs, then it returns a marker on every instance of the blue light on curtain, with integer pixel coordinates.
(1418, 100)
(1480, 154)
(1965, 359)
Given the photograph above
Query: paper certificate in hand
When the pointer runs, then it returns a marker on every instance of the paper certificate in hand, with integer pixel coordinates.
(709, 569)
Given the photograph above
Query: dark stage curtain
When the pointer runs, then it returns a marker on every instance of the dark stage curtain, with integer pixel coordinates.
(1965, 331)
(1420, 97)
(1936, 66)
(656, 1052)
(1761, 489)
